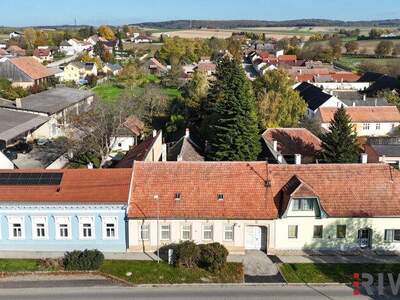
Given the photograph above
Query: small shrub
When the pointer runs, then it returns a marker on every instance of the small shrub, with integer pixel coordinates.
(52, 264)
(212, 256)
(83, 260)
(187, 254)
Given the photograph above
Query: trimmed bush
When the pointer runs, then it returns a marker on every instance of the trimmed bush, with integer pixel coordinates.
(86, 260)
(187, 254)
(213, 256)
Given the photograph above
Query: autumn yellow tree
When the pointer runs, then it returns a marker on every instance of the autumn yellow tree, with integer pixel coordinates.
(106, 32)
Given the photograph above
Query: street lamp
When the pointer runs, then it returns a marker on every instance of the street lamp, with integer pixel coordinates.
(156, 198)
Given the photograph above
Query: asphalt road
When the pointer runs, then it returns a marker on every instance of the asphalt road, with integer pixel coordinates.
(186, 292)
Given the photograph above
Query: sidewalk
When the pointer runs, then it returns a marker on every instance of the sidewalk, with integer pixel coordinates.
(339, 259)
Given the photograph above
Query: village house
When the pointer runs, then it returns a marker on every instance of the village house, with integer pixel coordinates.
(366, 120)
(257, 206)
(291, 145)
(113, 69)
(78, 71)
(383, 150)
(15, 50)
(64, 210)
(185, 149)
(316, 98)
(155, 67)
(57, 105)
(25, 72)
(43, 54)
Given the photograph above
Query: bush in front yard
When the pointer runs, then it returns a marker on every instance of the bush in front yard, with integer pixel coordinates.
(213, 256)
(86, 260)
(187, 254)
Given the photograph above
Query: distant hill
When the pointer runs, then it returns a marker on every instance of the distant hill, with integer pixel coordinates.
(185, 24)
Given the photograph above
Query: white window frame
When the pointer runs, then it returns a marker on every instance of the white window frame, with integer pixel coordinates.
(36, 220)
(304, 204)
(16, 220)
(378, 126)
(211, 228)
(366, 126)
(229, 228)
(145, 226)
(390, 238)
(109, 220)
(63, 221)
(87, 220)
(296, 227)
(163, 230)
(184, 228)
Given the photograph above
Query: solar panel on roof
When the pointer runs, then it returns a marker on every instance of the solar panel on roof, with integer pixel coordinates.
(30, 178)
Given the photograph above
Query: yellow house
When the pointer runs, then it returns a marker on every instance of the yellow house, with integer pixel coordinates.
(77, 71)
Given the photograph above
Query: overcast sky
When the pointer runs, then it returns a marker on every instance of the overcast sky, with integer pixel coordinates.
(50, 12)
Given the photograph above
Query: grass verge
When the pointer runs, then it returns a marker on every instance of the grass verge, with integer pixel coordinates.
(327, 273)
(19, 265)
(149, 272)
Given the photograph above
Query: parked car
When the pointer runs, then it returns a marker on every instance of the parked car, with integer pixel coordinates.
(42, 142)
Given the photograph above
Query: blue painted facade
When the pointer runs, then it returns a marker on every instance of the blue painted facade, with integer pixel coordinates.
(74, 216)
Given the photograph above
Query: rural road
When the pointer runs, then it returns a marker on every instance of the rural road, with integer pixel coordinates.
(187, 292)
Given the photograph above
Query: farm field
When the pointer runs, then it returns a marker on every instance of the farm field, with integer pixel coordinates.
(354, 62)
(198, 33)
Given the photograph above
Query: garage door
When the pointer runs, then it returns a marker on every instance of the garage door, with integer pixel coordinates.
(253, 239)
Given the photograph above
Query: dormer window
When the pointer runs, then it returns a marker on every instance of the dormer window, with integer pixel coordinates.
(220, 197)
(303, 204)
(177, 196)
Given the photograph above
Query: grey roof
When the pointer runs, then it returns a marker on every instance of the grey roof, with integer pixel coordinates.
(387, 150)
(16, 123)
(186, 149)
(83, 65)
(366, 102)
(65, 44)
(53, 100)
(114, 67)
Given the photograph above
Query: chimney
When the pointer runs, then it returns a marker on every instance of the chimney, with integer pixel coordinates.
(18, 103)
(364, 97)
(275, 145)
(179, 158)
(280, 159)
(354, 104)
(90, 166)
(364, 158)
(297, 159)
(154, 133)
(187, 133)
(398, 164)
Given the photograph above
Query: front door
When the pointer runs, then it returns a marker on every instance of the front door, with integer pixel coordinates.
(254, 239)
(365, 238)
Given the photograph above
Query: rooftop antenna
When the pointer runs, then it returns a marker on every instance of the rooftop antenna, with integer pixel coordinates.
(190, 24)
(75, 22)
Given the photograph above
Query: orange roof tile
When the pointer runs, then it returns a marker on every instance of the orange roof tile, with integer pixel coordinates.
(358, 114)
(77, 186)
(31, 67)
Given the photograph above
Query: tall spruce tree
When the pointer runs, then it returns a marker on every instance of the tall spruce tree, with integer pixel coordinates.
(339, 145)
(232, 126)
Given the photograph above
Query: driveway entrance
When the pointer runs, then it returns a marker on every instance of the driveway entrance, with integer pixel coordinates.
(258, 267)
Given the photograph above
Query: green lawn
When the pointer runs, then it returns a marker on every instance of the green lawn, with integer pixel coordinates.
(323, 273)
(149, 272)
(172, 92)
(19, 265)
(354, 62)
(108, 92)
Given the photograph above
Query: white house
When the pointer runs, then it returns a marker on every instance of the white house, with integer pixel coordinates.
(366, 120)
(316, 98)
(15, 35)
(276, 208)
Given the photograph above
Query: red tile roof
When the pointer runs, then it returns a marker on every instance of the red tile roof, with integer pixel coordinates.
(360, 114)
(293, 141)
(135, 125)
(77, 186)
(345, 190)
(41, 52)
(255, 190)
(242, 183)
(31, 67)
(287, 58)
(345, 77)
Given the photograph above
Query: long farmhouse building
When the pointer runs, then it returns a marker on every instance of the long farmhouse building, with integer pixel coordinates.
(243, 205)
